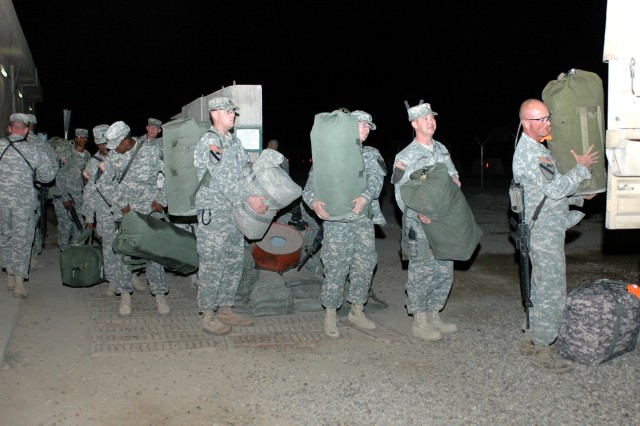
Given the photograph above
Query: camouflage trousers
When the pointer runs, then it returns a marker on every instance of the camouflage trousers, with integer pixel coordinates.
(348, 249)
(106, 229)
(221, 251)
(548, 284)
(429, 280)
(67, 230)
(17, 226)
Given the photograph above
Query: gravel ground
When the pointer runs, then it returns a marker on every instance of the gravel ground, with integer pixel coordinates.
(473, 377)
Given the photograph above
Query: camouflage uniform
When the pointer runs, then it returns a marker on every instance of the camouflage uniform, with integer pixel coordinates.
(96, 210)
(138, 189)
(18, 200)
(548, 274)
(220, 243)
(69, 183)
(429, 280)
(349, 248)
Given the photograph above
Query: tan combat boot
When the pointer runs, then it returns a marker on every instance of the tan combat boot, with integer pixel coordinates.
(330, 324)
(211, 324)
(422, 329)
(19, 290)
(11, 281)
(527, 348)
(110, 290)
(33, 265)
(544, 359)
(445, 328)
(227, 316)
(138, 284)
(163, 308)
(125, 304)
(357, 318)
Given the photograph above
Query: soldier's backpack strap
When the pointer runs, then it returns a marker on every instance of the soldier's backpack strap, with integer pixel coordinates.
(135, 152)
(206, 177)
(11, 144)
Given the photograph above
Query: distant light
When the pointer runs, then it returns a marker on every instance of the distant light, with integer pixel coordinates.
(3, 71)
(486, 165)
(19, 93)
(30, 109)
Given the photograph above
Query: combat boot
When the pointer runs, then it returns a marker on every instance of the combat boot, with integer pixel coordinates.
(544, 359)
(125, 304)
(33, 265)
(527, 348)
(11, 281)
(330, 324)
(423, 330)
(138, 284)
(357, 318)
(163, 308)
(110, 290)
(433, 318)
(19, 290)
(211, 324)
(227, 316)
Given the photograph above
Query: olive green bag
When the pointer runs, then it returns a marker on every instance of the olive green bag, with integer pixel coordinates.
(81, 265)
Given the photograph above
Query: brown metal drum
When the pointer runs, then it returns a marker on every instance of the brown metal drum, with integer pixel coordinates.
(279, 250)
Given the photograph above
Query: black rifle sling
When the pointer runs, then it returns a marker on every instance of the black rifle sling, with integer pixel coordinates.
(135, 152)
(537, 212)
(11, 144)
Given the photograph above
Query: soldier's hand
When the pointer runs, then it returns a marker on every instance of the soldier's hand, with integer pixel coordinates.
(126, 209)
(85, 175)
(318, 207)
(588, 158)
(424, 219)
(67, 204)
(359, 204)
(256, 202)
(156, 206)
(589, 196)
(90, 226)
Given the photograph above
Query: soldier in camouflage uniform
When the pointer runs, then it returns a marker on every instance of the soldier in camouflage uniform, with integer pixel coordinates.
(534, 168)
(349, 248)
(23, 164)
(137, 190)
(97, 213)
(429, 279)
(41, 193)
(67, 192)
(219, 159)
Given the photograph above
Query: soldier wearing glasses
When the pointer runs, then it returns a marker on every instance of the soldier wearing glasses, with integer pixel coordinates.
(535, 169)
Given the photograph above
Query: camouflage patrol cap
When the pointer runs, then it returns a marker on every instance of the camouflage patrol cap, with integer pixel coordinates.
(32, 119)
(222, 102)
(422, 110)
(98, 134)
(82, 133)
(154, 122)
(116, 133)
(364, 117)
(18, 116)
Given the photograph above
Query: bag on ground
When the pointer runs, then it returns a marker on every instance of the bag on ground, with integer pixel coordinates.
(81, 265)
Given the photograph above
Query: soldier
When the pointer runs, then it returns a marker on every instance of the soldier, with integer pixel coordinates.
(349, 248)
(23, 164)
(154, 127)
(220, 155)
(535, 169)
(129, 182)
(41, 194)
(67, 193)
(98, 214)
(430, 279)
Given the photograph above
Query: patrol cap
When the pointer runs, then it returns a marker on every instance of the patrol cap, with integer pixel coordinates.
(18, 116)
(154, 122)
(82, 132)
(222, 102)
(32, 119)
(98, 134)
(116, 133)
(422, 110)
(364, 117)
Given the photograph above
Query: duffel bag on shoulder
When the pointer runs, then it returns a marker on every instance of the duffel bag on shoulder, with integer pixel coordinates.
(81, 265)
(601, 321)
(142, 235)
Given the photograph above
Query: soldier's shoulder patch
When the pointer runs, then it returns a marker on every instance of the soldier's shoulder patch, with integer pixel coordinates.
(548, 170)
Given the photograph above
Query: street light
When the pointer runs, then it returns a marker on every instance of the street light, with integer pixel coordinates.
(3, 71)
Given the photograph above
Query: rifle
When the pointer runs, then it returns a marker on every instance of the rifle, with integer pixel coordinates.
(74, 214)
(313, 249)
(42, 199)
(516, 193)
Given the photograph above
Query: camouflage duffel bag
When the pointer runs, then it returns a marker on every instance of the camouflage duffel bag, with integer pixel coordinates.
(601, 321)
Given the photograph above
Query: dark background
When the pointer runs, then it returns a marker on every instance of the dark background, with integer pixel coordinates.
(474, 62)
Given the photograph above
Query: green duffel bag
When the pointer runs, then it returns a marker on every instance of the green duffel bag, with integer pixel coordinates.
(81, 265)
(141, 235)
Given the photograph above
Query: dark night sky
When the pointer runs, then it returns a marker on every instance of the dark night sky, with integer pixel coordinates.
(475, 63)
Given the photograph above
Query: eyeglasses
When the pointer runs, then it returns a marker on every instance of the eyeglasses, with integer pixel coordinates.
(364, 124)
(541, 119)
